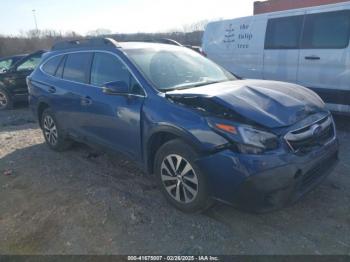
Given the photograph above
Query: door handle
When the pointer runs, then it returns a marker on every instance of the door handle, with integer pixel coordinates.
(86, 101)
(52, 89)
(313, 57)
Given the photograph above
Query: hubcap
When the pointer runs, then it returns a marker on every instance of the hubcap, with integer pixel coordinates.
(50, 130)
(179, 178)
(3, 100)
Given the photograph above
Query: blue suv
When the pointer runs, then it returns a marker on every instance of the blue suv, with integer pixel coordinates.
(206, 135)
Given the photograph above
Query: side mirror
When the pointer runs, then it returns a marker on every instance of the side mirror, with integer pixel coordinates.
(116, 88)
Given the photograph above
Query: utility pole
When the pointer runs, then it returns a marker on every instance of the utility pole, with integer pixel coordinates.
(35, 22)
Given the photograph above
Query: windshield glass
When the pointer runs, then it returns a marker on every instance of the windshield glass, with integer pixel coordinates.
(171, 68)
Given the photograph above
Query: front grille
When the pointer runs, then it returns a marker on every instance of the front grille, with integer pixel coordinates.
(304, 139)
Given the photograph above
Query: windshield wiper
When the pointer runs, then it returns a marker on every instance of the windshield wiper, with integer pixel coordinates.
(209, 83)
(191, 85)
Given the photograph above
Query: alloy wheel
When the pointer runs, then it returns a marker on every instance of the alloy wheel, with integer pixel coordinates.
(50, 130)
(179, 179)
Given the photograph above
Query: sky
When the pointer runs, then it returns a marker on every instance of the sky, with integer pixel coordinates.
(119, 16)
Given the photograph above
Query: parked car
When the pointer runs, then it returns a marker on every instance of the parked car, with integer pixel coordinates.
(13, 87)
(205, 135)
(9, 61)
(308, 46)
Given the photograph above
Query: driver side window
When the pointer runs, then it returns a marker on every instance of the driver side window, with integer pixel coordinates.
(29, 64)
(107, 68)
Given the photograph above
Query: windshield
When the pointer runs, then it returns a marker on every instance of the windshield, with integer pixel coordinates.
(171, 68)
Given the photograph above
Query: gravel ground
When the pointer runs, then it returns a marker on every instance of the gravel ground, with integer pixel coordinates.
(86, 202)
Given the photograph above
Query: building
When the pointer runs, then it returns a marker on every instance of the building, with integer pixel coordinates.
(280, 5)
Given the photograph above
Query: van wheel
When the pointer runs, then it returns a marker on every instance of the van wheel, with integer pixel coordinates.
(181, 181)
(5, 100)
(53, 135)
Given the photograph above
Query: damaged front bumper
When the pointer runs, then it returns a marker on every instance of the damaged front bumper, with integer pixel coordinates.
(261, 183)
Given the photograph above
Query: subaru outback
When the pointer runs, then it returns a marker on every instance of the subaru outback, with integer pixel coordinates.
(259, 145)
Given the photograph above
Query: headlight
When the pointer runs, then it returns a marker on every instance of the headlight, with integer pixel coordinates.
(247, 140)
(258, 138)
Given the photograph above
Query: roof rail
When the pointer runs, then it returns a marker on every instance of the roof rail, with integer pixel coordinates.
(169, 41)
(89, 42)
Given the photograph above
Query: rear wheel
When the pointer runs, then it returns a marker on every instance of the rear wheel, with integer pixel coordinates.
(54, 136)
(5, 100)
(181, 181)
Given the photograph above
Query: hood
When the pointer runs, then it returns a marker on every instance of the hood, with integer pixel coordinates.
(268, 103)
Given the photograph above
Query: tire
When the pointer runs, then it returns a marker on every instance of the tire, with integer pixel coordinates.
(5, 100)
(54, 136)
(188, 189)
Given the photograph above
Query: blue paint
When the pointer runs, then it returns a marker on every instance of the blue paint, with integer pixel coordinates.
(129, 123)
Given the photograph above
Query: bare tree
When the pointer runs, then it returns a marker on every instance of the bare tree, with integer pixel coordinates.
(30, 41)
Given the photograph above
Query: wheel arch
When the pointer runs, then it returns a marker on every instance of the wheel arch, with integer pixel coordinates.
(162, 135)
(41, 108)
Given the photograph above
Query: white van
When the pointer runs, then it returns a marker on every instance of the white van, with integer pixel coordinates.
(308, 46)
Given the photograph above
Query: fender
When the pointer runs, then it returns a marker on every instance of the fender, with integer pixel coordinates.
(170, 129)
(177, 131)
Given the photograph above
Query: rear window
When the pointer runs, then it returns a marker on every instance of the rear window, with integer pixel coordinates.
(329, 30)
(50, 66)
(284, 33)
(77, 67)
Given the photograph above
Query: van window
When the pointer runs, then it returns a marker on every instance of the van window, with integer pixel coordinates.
(329, 30)
(50, 66)
(107, 68)
(284, 33)
(77, 67)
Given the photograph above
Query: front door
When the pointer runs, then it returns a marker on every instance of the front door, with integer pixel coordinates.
(325, 55)
(113, 120)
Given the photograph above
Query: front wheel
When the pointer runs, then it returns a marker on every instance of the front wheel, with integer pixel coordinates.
(181, 181)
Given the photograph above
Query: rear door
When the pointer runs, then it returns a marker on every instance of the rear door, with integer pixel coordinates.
(324, 57)
(113, 120)
(282, 42)
(70, 92)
